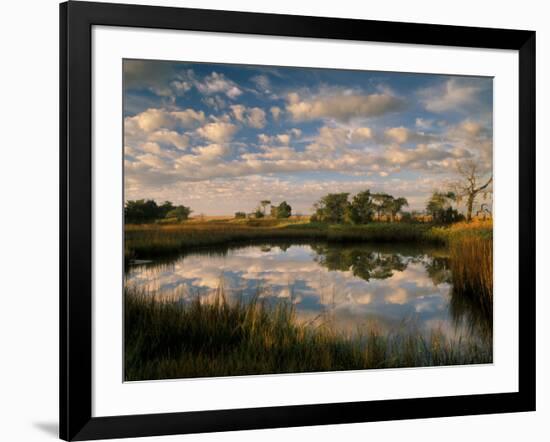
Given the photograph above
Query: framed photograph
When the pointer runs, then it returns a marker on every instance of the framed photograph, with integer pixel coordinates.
(273, 221)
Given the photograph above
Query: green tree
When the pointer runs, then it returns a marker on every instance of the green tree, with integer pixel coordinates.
(164, 208)
(407, 217)
(258, 213)
(332, 208)
(440, 207)
(362, 208)
(395, 206)
(283, 210)
(181, 213)
(382, 203)
(240, 215)
(140, 211)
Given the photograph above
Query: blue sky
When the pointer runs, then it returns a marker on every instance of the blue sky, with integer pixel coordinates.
(220, 138)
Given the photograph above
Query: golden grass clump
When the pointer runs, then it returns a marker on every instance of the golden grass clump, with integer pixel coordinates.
(471, 263)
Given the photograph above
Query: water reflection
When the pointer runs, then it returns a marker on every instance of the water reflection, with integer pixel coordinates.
(364, 263)
(346, 285)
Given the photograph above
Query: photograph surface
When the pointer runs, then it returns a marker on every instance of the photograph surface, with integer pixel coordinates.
(297, 219)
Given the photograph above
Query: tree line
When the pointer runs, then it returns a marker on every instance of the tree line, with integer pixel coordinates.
(364, 207)
(144, 211)
(442, 206)
(338, 208)
(283, 210)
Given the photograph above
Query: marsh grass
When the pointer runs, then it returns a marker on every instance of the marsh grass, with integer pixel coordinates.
(452, 232)
(471, 263)
(171, 338)
(153, 240)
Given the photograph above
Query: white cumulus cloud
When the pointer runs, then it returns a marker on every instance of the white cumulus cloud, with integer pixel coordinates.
(454, 94)
(217, 131)
(218, 83)
(341, 107)
(251, 116)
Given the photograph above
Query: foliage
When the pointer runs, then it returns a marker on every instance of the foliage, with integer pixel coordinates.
(407, 217)
(335, 208)
(165, 208)
(258, 213)
(395, 205)
(388, 205)
(440, 208)
(240, 215)
(140, 211)
(362, 208)
(382, 203)
(283, 210)
(332, 208)
(181, 213)
(146, 211)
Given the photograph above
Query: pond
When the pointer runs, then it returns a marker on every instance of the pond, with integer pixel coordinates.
(340, 285)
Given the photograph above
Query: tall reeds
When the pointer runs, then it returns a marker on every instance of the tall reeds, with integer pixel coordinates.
(471, 263)
(176, 339)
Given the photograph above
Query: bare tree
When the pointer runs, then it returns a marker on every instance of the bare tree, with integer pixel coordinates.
(469, 186)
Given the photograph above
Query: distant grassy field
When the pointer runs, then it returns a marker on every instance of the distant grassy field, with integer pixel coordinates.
(151, 240)
(168, 339)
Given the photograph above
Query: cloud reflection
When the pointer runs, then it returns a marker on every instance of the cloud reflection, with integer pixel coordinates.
(347, 285)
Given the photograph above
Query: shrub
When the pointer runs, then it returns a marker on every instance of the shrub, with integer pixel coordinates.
(181, 213)
(283, 210)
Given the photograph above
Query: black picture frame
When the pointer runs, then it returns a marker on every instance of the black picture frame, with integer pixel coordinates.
(76, 21)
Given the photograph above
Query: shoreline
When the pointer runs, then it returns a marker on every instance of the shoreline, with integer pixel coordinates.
(156, 240)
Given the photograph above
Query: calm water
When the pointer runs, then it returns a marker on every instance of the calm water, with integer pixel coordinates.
(346, 286)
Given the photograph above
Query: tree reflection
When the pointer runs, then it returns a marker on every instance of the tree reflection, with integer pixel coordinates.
(473, 311)
(468, 311)
(363, 263)
(438, 270)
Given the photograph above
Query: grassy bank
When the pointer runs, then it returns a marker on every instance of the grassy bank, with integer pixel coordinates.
(471, 265)
(153, 240)
(167, 339)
